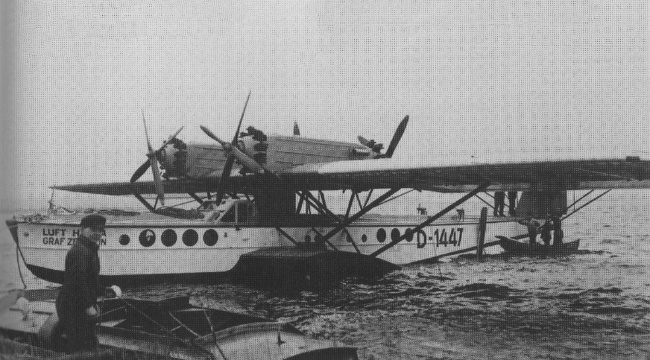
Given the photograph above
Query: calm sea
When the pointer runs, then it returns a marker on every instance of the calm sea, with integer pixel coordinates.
(592, 304)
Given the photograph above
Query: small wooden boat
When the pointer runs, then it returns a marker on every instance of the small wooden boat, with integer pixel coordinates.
(166, 328)
(512, 246)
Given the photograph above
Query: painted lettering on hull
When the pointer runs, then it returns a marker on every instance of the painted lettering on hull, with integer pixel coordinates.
(441, 237)
(57, 237)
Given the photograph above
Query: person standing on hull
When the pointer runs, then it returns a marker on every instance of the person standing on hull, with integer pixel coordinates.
(512, 203)
(76, 305)
(499, 203)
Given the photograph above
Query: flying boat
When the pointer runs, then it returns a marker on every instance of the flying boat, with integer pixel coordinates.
(261, 207)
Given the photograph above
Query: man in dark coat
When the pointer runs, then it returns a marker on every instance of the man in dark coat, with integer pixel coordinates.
(512, 203)
(499, 203)
(76, 304)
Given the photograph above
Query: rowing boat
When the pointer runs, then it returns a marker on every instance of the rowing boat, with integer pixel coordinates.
(515, 247)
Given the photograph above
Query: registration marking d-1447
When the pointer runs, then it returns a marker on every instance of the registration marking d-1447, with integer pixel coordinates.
(445, 237)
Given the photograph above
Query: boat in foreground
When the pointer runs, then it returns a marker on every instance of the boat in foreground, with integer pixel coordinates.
(165, 328)
(515, 247)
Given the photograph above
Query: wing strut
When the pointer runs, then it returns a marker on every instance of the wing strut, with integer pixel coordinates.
(588, 202)
(342, 224)
(322, 208)
(522, 236)
(435, 217)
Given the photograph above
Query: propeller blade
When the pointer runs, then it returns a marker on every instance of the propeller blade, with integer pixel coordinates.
(146, 133)
(141, 170)
(207, 131)
(225, 174)
(234, 139)
(363, 141)
(397, 137)
(157, 180)
(170, 138)
(247, 161)
(153, 163)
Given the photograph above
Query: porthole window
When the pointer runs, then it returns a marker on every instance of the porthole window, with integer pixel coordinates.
(409, 235)
(168, 237)
(381, 235)
(364, 238)
(210, 237)
(394, 235)
(124, 239)
(147, 238)
(190, 237)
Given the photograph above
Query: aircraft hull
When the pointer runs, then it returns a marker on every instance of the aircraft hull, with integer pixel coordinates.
(137, 250)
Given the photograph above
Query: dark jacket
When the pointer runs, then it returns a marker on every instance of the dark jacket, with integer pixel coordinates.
(81, 281)
(545, 231)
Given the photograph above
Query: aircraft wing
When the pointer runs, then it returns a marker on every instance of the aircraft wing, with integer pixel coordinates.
(440, 176)
(443, 176)
(173, 186)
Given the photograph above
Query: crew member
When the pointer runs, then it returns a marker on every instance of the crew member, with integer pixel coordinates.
(531, 225)
(76, 304)
(545, 232)
(558, 234)
(512, 203)
(257, 135)
(499, 203)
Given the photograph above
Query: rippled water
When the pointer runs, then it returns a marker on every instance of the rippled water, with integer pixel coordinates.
(591, 304)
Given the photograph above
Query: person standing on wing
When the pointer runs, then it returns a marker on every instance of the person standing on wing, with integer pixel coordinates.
(512, 203)
(76, 305)
(499, 203)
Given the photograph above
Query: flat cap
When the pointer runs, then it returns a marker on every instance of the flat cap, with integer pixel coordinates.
(93, 221)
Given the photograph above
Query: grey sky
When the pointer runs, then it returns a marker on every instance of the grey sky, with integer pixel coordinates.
(561, 77)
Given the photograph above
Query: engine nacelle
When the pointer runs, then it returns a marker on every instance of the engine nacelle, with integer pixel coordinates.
(254, 144)
(173, 159)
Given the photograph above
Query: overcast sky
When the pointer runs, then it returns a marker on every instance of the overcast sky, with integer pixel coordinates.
(559, 77)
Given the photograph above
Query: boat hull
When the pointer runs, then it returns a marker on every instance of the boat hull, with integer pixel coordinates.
(164, 328)
(511, 246)
(138, 251)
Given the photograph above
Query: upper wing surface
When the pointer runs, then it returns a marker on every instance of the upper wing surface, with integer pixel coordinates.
(512, 174)
(515, 174)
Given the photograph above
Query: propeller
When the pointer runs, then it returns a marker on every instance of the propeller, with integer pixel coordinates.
(363, 141)
(397, 137)
(375, 147)
(233, 153)
(153, 162)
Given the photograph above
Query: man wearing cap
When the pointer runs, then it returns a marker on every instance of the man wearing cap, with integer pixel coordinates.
(76, 304)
